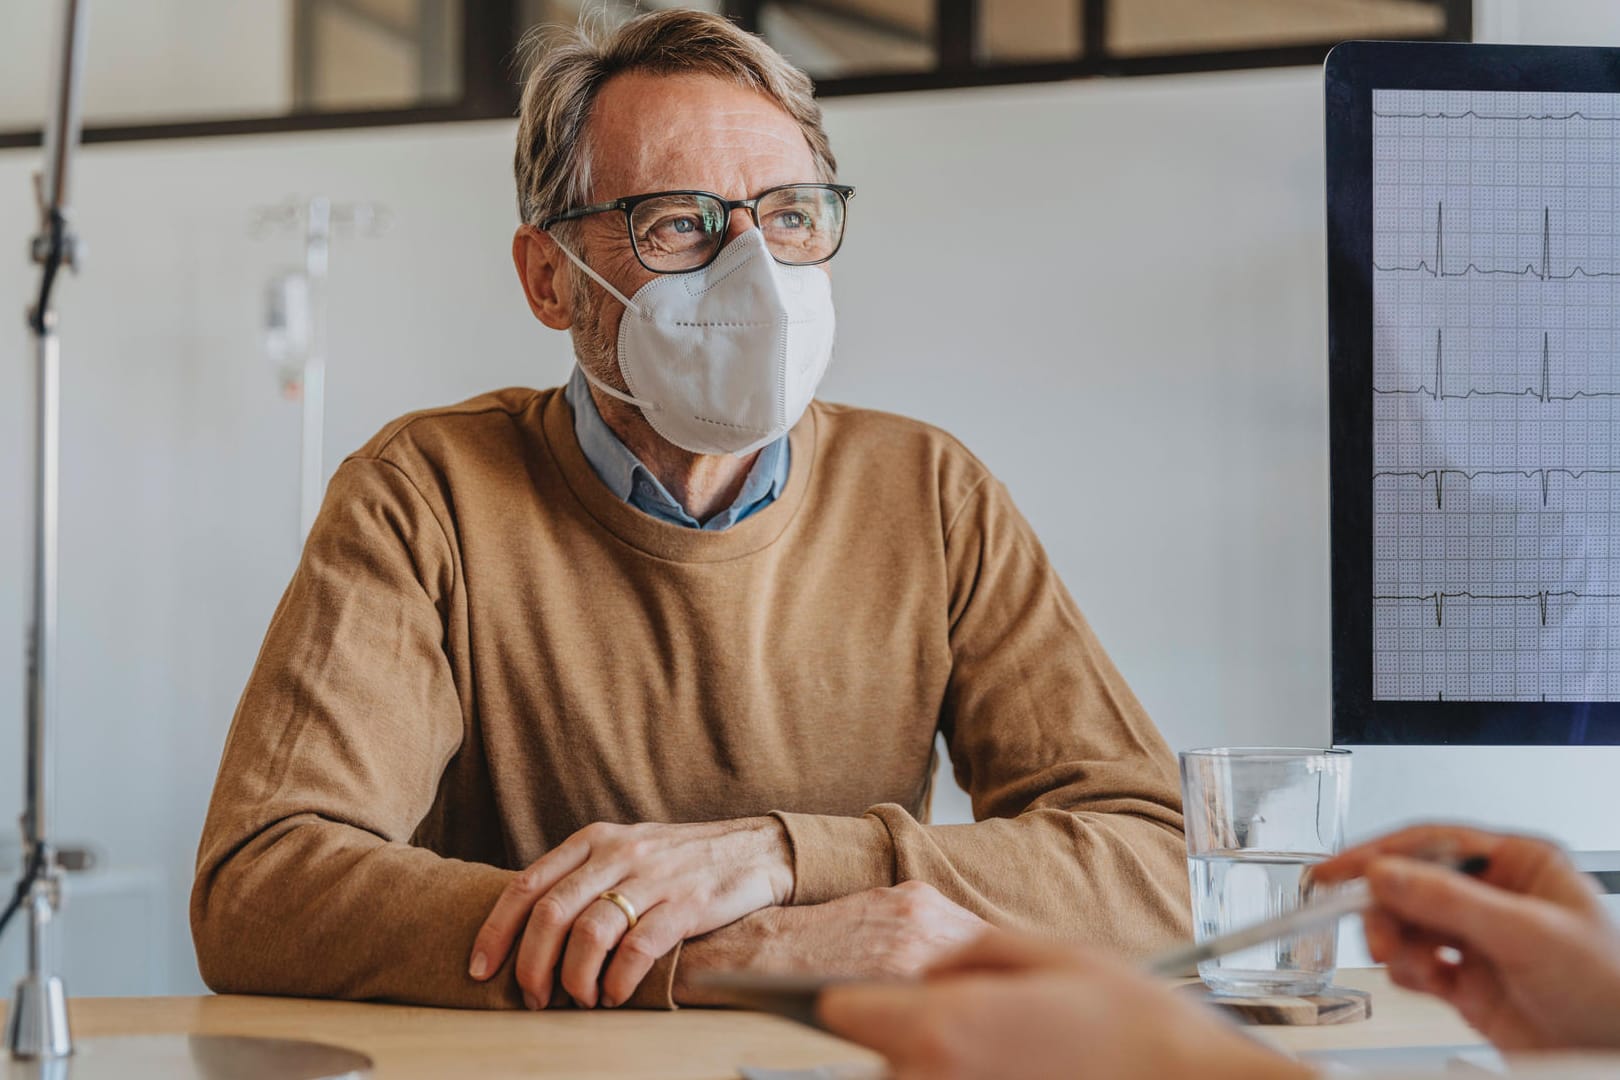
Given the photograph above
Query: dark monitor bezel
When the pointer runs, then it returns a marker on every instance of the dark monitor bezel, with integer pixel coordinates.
(1353, 71)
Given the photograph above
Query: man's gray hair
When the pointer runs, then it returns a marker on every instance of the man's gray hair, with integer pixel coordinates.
(568, 69)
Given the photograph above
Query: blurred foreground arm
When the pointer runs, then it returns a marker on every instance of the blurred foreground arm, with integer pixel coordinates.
(1010, 1006)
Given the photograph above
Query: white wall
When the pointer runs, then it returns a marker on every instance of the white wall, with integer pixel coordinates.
(1548, 22)
(1132, 336)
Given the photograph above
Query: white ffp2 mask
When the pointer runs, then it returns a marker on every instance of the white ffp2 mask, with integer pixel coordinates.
(725, 359)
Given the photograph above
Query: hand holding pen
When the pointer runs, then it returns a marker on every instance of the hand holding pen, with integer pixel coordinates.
(1352, 898)
(1523, 950)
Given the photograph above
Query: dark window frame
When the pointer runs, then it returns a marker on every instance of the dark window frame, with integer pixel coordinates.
(490, 89)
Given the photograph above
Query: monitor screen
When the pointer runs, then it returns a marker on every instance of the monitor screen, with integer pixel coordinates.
(1496, 396)
(1474, 210)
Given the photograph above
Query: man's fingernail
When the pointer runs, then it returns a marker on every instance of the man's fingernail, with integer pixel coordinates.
(608, 1003)
(529, 1002)
(480, 966)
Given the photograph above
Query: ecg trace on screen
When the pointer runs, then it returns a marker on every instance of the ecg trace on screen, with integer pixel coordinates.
(1496, 396)
(1436, 390)
(1542, 268)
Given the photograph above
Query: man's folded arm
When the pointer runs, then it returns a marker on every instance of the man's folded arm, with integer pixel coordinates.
(307, 883)
(1079, 827)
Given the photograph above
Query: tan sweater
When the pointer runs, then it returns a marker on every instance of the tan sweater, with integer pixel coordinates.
(484, 650)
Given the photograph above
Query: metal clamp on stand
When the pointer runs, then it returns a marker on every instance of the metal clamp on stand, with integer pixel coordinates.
(37, 1025)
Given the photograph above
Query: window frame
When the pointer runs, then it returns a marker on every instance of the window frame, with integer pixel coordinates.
(490, 88)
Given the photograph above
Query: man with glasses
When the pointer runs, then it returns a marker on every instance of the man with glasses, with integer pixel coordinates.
(578, 693)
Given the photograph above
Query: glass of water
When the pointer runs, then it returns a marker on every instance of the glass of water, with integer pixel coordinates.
(1258, 819)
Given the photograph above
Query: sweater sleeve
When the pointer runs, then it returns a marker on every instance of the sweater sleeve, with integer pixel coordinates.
(1075, 794)
(307, 881)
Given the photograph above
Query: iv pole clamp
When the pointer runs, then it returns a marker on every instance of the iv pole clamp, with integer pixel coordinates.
(37, 1024)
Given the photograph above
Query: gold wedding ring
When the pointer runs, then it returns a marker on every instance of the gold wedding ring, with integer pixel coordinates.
(623, 905)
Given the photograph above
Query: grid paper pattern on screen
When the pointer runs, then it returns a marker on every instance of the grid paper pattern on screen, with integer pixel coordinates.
(1496, 386)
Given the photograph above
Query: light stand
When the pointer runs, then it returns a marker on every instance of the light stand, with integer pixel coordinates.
(37, 1025)
(38, 1042)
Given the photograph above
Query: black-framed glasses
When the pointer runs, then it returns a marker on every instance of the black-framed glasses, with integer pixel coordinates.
(675, 232)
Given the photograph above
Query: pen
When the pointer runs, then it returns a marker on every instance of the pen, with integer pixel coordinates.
(1349, 900)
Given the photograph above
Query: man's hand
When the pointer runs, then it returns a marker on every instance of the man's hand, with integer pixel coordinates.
(891, 933)
(1008, 1006)
(1526, 953)
(682, 880)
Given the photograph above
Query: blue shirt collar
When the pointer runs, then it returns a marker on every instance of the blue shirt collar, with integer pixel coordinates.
(630, 480)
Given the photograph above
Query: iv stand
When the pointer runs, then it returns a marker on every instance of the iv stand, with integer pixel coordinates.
(37, 1025)
(319, 220)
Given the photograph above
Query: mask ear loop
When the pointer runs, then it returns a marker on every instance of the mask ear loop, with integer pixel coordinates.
(598, 278)
(644, 406)
(630, 305)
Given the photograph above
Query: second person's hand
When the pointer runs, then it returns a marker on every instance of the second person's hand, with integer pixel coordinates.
(1009, 1006)
(1525, 953)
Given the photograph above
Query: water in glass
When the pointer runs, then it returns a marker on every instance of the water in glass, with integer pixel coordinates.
(1234, 888)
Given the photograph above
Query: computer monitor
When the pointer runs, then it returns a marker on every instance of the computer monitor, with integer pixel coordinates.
(1473, 197)
(1474, 329)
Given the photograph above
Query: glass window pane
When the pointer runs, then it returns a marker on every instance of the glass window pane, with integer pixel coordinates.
(376, 54)
(1029, 31)
(170, 61)
(153, 61)
(852, 37)
(1147, 27)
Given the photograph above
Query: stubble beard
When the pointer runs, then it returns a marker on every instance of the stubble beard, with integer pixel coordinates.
(594, 347)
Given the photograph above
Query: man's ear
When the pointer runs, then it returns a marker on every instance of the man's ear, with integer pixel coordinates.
(542, 268)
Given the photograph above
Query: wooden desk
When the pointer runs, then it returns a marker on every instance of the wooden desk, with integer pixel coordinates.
(1399, 1018)
(408, 1043)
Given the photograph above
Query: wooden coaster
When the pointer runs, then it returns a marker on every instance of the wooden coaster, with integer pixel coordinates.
(1335, 1005)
